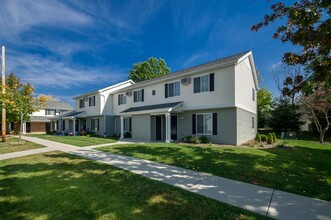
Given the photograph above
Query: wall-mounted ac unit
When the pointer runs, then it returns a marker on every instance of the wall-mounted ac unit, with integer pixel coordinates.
(185, 81)
(128, 93)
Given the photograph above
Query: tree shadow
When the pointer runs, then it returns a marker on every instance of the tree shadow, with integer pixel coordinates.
(61, 186)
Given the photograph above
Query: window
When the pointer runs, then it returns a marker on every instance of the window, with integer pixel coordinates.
(205, 123)
(204, 83)
(138, 96)
(127, 124)
(121, 99)
(81, 103)
(91, 101)
(49, 111)
(94, 124)
(253, 122)
(172, 89)
(253, 94)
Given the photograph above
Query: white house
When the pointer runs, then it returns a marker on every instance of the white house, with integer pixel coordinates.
(216, 99)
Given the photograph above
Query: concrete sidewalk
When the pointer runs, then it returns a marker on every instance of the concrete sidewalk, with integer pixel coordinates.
(262, 200)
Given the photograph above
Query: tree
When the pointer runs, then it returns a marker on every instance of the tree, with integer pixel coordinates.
(285, 116)
(308, 25)
(20, 100)
(264, 106)
(149, 69)
(318, 106)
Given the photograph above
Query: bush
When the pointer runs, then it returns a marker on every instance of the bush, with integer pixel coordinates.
(51, 132)
(258, 137)
(127, 135)
(195, 140)
(188, 138)
(270, 139)
(264, 137)
(274, 137)
(203, 139)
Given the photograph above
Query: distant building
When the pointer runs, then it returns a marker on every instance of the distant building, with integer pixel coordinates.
(41, 120)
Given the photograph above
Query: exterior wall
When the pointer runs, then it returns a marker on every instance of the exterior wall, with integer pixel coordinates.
(244, 126)
(38, 127)
(141, 127)
(244, 85)
(90, 110)
(101, 123)
(226, 125)
(223, 96)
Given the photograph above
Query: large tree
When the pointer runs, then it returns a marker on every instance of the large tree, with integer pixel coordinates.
(149, 69)
(285, 116)
(308, 24)
(317, 105)
(264, 106)
(20, 100)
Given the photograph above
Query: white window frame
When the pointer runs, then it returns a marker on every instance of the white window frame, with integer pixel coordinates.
(139, 95)
(208, 83)
(81, 103)
(123, 99)
(175, 92)
(96, 125)
(204, 126)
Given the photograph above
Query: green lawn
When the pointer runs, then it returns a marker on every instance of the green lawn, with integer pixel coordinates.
(11, 145)
(303, 169)
(61, 186)
(80, 141)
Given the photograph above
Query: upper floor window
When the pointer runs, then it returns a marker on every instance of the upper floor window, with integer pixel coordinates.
(49, 111)
(121, 99)
(91, 101)
(253, 94)
(204, 83)
(172, 89)
(81, 103)
(138, 96)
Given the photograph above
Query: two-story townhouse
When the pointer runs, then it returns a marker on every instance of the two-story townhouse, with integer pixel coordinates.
(215, 99)
(42, 121)
(93, 112)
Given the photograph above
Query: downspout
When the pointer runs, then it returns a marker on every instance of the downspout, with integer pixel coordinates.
(104, 115)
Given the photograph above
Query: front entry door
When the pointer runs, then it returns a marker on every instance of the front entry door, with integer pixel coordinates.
(158, 128)
(174, 127)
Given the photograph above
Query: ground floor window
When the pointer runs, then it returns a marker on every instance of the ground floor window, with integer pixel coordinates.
(94, 124)
(253, 122)
(127, 124)
(204, 123)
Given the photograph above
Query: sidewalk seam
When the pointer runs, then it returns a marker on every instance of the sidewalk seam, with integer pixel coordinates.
(272, 194)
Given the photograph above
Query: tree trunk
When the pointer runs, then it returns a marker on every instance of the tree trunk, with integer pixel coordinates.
(322, 137)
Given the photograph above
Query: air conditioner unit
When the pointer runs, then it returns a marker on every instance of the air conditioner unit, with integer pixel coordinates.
(185, 81)
(128, 93)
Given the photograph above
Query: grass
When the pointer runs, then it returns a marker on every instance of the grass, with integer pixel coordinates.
(56, 185)
(303, 169)
(80, 141)
(12, 145)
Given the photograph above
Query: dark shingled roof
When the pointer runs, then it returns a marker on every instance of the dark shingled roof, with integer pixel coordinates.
(58, 105)
(152, 107)
(72, 114)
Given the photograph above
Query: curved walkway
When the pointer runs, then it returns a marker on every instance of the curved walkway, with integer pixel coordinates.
(262, 200)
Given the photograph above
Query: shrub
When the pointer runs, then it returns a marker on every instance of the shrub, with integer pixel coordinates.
(127, 135)
(258, 137)
(264, 137)
(203, 139)
(195, 140)
(188, 138)
(274, 137)
(51, 132)
(270, 138)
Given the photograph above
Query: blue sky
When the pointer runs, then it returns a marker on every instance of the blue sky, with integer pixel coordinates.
(66, 48)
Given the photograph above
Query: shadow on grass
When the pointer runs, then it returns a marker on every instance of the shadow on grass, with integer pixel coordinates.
(60, 186)
(300, 170)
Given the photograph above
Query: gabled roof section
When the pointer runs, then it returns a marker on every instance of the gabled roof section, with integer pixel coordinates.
(113, 88)
(251, 61)
(230, 60)
(58, 105)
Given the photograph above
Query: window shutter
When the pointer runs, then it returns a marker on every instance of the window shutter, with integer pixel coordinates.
(196, 85)
(130, 122)
(142, 95)
(211, 81)
(194, 124)
(135, 96)
(98, 125)
(119, 100)
(214, 123)
(166, 90)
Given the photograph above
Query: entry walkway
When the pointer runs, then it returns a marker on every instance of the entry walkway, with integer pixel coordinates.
(262, 200)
